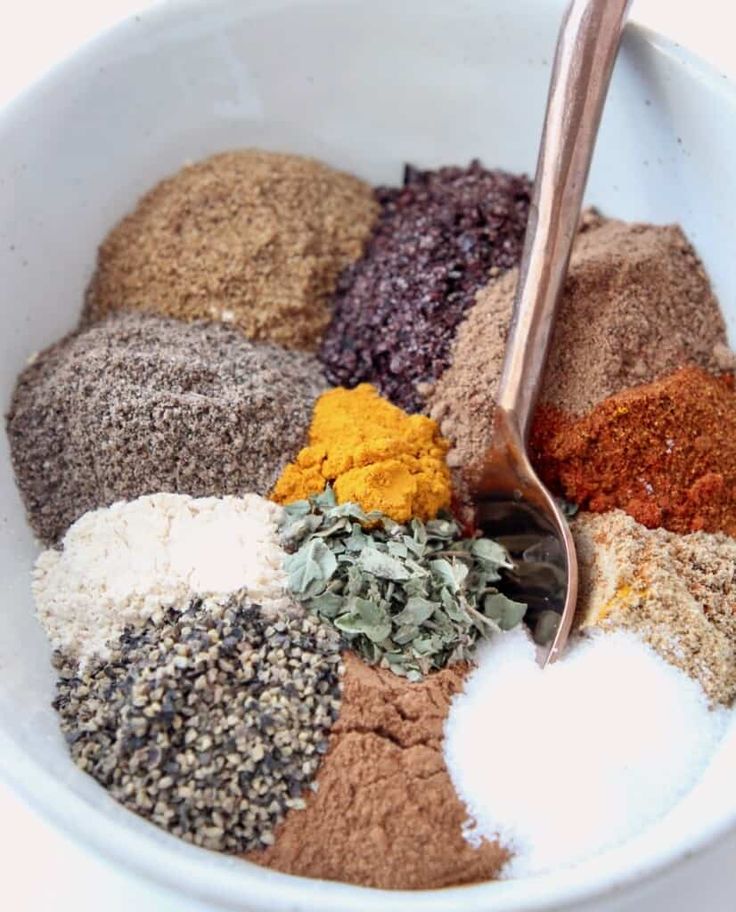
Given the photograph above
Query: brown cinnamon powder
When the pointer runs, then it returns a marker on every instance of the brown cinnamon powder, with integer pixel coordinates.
(385, 813)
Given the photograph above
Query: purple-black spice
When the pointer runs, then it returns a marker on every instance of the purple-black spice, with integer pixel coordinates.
(438, 240)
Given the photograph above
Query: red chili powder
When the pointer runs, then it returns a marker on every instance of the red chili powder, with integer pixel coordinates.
(664, 452)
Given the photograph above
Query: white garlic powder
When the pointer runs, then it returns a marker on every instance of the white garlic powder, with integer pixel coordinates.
(123, 564)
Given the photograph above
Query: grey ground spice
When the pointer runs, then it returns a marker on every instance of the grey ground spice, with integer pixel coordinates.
(438, 240)
(250, 237)
(637, 305)
(209, 725)
(677, 591)
(384, 812)
(138, 404)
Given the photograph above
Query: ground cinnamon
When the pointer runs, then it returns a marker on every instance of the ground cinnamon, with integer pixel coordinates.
(665, 452)
(385, 813)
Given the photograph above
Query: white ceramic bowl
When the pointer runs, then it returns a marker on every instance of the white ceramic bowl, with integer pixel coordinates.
(365, 86)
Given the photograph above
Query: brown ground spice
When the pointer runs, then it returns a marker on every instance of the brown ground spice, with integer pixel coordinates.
(637, 305)
(664, 452)
(252, 238)
(137, 404)
(676, 591)
(385, 813)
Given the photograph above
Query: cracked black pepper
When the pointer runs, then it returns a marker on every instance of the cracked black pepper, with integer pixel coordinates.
(211, 724)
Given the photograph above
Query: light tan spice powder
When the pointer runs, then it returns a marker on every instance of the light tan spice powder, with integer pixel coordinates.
(637, 305)
(252, 238)
(385, 813)
(677, 591)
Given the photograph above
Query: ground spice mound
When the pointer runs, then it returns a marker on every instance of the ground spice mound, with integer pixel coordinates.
(637, 305)
(373, 454)
(139, 404)
(563, 787)
(121, 565)
(676, 591)
(438, 239)
(385, 813)
(210, 724)
(664, 452)
(252, 238)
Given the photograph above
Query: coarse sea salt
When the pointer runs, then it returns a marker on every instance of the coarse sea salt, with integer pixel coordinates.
(123, 564)
(563, 763)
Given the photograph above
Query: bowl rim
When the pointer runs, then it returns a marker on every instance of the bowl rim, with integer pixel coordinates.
(229, 883)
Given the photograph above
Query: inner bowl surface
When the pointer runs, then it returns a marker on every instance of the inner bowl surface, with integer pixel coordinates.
(364, 86)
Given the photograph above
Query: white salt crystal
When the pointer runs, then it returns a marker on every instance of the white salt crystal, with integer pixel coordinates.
(563, 763)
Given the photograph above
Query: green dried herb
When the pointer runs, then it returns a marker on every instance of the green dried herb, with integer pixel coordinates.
(411, 597)
(568, 508)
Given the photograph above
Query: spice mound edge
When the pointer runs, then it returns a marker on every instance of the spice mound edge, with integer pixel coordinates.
(279, 229)
(385, 813)
(665, 452)
(209, 724)
(373, 454)
(412, 598)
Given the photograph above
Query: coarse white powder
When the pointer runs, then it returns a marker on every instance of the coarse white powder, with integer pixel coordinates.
(565, 762)
(125, 563)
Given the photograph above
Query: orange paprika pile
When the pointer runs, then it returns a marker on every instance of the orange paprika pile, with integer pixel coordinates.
(664, 452)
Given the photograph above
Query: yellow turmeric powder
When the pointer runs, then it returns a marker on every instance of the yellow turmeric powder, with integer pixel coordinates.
(373, 454)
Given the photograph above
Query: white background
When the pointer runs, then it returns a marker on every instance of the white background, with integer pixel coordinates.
(41, 870)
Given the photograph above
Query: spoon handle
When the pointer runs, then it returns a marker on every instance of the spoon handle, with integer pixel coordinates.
(586, 50)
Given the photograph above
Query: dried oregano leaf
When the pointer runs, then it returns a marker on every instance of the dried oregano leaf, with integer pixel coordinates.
(411, 597)
(416, 611)
(310, 568)
(364, 616)
(491, 554)
(504, 611)
(383, 565)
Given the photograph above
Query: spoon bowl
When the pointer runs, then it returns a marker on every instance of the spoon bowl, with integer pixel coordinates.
(516, 509)
(512, 504)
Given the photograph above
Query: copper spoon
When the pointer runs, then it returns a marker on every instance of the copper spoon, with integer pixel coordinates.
(512, 503)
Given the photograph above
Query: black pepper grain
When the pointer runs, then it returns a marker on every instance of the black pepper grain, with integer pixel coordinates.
(438, 240)
(177, 729)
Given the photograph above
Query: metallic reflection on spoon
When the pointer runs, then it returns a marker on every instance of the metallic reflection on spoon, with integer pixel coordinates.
(513, 507)
(512, 503)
